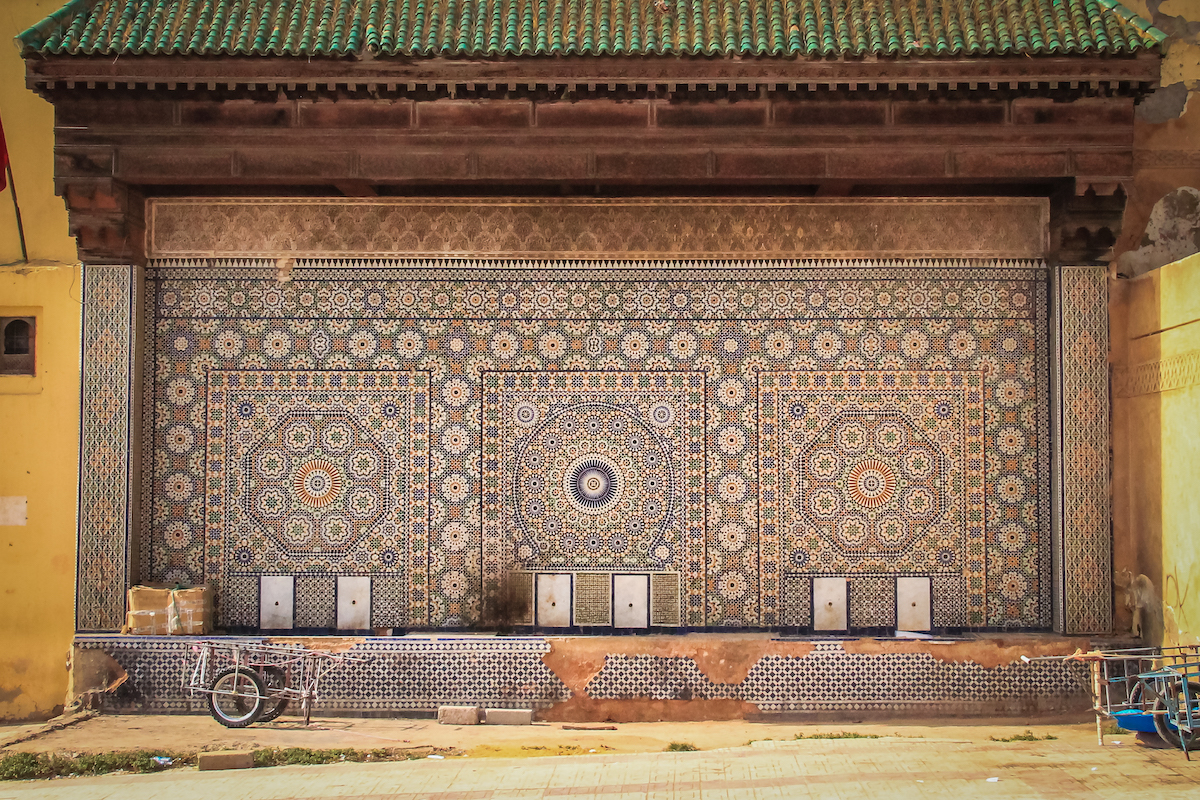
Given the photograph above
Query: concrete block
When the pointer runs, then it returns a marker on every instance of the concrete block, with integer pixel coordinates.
(508, 716)
(458, 715)
(225, 759)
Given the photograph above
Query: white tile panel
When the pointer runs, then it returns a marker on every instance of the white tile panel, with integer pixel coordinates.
(631, 601)
(353, 603)
(276, 602)
(554, 601)
(829, 604)
(913, 610)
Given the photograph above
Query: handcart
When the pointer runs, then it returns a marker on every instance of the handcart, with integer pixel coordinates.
(249, 681)
(1147, 690)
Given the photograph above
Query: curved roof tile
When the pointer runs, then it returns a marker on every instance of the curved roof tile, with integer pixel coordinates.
(506, 28)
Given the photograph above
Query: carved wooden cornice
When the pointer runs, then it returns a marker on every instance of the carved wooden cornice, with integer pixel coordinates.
(1112, 75)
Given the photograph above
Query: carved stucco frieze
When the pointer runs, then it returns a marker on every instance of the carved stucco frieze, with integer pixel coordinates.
(528, 228)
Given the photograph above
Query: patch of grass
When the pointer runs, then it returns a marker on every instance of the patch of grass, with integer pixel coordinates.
(838, 735)
(286, 756)
(1027, 736)
(23, 766)
(681, 747)
(27, 766)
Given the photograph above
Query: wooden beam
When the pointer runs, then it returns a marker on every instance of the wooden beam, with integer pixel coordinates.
(352, 188)
(834, 188)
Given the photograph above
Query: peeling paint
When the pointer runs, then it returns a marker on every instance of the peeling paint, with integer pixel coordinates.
(987, 653)
(1173, 233)
(1163, 105)
(726, 659)
(326, 644)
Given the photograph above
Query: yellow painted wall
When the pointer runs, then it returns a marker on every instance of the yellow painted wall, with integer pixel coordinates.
(1157, 441)
(1156, 318)
(39, 417)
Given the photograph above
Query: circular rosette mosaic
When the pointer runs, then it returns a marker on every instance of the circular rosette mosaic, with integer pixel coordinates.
(592, 487)
(871, 484)
(318, 483)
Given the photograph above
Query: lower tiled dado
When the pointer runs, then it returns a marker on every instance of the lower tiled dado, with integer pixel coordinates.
(644, 678)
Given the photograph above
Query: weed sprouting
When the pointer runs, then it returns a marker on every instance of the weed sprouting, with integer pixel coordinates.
(1027, 736)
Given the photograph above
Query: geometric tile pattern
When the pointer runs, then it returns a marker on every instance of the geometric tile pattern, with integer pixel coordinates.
(594, 471)
(414, 673)
(105, 426)
(872, 602)
(949, 601)
(316, 601)
(1087, 545)
(593, 599)
(388, 601)
(315, 472)
(795, 600)
(398, 674)
(238, 606)
(867, 472)
(586, 347)
(829, 679)
(664, 599)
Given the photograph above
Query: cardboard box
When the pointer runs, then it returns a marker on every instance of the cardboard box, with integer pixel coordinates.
(147, 622)
(159, 611)
(194, 609)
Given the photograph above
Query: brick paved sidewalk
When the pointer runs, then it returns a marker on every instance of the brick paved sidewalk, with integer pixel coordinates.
(844, 768)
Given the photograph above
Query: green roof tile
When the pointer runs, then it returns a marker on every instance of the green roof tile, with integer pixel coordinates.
(498, 28)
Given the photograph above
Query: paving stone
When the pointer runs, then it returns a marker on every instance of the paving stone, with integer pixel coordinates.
(508, 716)
(225, 759)
(458, 715)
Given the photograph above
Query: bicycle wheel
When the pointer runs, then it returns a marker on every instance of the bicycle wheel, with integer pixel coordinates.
(1165, 726)
(236, 698)
(274, 679)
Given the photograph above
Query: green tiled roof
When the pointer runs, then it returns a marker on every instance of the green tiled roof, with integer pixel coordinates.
(497, 28)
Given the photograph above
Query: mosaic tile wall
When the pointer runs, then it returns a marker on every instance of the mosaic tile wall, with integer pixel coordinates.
(397, 675)
(503, 672)
(438, 424)
(105, 434)
(1087, 516)
(830, 679)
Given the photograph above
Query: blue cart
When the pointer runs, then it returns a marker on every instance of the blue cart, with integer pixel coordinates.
(1148, 690)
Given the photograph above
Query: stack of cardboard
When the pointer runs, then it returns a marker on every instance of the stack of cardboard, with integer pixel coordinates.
(158, 611)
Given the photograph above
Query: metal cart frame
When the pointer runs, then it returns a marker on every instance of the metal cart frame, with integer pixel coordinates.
(1159, 684)
(279, 674)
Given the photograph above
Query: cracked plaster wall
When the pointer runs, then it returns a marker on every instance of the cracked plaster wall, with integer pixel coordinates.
(1155, 321)
(1161, 224)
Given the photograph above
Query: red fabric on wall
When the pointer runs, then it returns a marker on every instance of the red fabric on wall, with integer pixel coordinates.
(3, 159)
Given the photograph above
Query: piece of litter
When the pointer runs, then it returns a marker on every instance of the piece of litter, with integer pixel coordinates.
(431, 755)
(1095, 768)
(920, 781)
(1118, 741)
(591, 751)
(993, 780)
(163, 761)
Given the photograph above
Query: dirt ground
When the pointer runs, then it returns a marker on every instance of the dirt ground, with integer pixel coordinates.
(187, 734)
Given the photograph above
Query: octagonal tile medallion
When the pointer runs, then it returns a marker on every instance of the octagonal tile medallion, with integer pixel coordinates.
(318, 473)
(872, 473)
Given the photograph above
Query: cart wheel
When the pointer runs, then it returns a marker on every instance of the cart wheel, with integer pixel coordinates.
(1167, 730)
(274, 679)
(237, 697)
